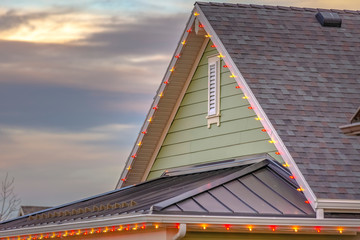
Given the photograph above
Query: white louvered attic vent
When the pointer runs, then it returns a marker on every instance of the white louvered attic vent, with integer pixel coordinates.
(213, 90)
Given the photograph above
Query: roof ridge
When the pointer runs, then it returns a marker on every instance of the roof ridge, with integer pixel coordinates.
(271, 7)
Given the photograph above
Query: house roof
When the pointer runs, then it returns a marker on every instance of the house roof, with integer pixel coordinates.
(306, 78)
(257, 189)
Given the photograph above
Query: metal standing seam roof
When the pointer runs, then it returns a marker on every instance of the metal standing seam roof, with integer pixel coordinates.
(306, 78)
(258, 189)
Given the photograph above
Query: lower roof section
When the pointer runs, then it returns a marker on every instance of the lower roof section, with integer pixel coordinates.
(260, 188)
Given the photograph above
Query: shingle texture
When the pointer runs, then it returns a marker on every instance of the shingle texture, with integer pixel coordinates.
(269, 191)
(306, 77)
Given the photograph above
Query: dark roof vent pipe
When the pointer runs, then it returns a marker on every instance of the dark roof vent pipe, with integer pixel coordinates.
(328, 19)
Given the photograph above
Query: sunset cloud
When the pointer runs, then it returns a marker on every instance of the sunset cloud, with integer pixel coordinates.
(116, 59)
(54, 26)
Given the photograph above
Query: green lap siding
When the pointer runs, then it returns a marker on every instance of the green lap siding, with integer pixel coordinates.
(190, 141)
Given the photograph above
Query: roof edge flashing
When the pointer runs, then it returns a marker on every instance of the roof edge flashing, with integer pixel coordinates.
(329, 19)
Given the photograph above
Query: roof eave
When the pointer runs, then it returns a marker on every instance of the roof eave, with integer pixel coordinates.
(338, 205)
(350, 224)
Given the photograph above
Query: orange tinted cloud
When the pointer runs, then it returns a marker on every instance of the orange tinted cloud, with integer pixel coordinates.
(48, 26)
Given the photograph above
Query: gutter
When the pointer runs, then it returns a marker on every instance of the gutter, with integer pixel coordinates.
(181, 233)
(184, 219)
(339, 205)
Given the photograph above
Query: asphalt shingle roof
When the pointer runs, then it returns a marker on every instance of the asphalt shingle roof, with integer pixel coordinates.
(306, 77)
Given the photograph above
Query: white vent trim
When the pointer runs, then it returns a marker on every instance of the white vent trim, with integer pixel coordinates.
(213, 90)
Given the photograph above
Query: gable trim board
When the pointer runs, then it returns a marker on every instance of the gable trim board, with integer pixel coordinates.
(174, 111)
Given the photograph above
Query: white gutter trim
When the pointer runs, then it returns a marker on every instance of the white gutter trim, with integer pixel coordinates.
(258, 110)
(338, 204)
(188, 219)
(181, 233)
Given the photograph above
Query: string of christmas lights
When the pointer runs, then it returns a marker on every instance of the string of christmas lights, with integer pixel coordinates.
(203, 226)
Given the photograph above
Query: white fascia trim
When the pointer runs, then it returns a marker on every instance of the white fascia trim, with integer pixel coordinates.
(338, 204)
(280, 146)
(187, 219)
(157, 98)
(174, 111)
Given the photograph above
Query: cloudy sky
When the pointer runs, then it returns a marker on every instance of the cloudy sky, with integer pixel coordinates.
(76, 81)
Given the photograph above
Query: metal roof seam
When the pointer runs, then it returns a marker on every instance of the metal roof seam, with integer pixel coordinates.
(259, 196)
(220, 201)
(240, 199)
(201, 206)
(278, 194)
